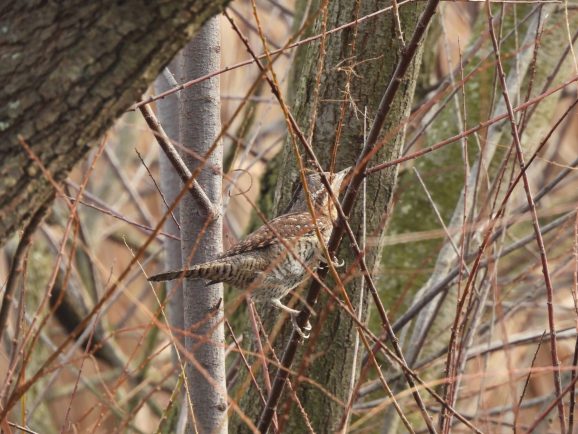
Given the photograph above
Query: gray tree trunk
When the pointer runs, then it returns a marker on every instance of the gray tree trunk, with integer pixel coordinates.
(68, 70)
(201, 239)
(357, 67)
(168, 114)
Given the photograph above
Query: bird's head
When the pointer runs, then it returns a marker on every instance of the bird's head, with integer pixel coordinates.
(318, 191)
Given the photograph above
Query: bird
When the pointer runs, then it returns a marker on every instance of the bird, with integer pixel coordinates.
(262, 263)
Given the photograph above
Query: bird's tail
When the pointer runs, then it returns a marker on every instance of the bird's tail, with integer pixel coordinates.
(172, 275)
(211, 271)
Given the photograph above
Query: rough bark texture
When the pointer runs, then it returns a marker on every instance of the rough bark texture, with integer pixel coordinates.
(201, 240)
(356, 72)
(68, 70)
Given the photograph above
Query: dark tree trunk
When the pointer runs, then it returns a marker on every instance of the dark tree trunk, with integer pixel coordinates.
(68, 70)
(357, 67)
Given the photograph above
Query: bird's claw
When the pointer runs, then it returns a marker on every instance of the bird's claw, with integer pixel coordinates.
(301, 331)
(335, 262)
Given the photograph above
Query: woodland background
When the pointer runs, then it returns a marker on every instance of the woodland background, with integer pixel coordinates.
(495, 334)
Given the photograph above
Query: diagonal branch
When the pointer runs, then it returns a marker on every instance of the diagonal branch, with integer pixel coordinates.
(18, 259)
(173, 156)
(292, 124)
(480, 126)
(348, 201)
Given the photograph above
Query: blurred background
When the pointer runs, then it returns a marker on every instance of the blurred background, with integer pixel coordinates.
(129, 381)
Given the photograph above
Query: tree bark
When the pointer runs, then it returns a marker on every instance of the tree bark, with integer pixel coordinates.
(357, 66)
(201, 237)
(168, 114)
(68, 70)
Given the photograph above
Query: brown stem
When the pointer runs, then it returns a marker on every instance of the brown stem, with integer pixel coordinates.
(535, 222)
(173, 156)
(18, 259)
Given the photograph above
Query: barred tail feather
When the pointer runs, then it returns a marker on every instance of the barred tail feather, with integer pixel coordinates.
(210, 271)
(173, 275)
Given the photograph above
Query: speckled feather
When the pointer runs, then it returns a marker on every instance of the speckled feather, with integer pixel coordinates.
(288, 227)
(261, 262)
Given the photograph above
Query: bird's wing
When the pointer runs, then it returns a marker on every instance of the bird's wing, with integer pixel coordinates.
(288, 226)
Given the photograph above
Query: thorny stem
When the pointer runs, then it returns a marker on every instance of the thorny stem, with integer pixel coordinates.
(292, 124)
(264, 56)
(439, 286)
(539, 239)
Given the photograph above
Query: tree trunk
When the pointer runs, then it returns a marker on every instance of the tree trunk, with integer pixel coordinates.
(201, 238)
(168, 114)
(68, 70)
(356, 70)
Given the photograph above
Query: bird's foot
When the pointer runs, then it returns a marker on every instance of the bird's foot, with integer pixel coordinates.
(337, 263)
(303, 332)
(334, 261)
(293, 313)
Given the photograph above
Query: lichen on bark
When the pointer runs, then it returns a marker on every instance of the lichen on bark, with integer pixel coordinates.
(68, 71)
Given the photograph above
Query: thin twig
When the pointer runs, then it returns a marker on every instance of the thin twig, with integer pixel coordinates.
(18, 260)
(22, 428)
(440, 218)
(535, 222)
(251, 27)
(173, 156)
(262, 358)
(480, 126)
(127, 184)
(398, 30)
(157, 187)
(261, 331)
(573, 389)
(575, 358)
(354, 382)
(245, 361)
(516, 409)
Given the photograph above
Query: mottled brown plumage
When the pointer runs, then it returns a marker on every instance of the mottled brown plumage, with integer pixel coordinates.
(261, 263)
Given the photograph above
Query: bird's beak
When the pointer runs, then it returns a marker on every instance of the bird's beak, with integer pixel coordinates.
(342, 176)
(345, 171)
